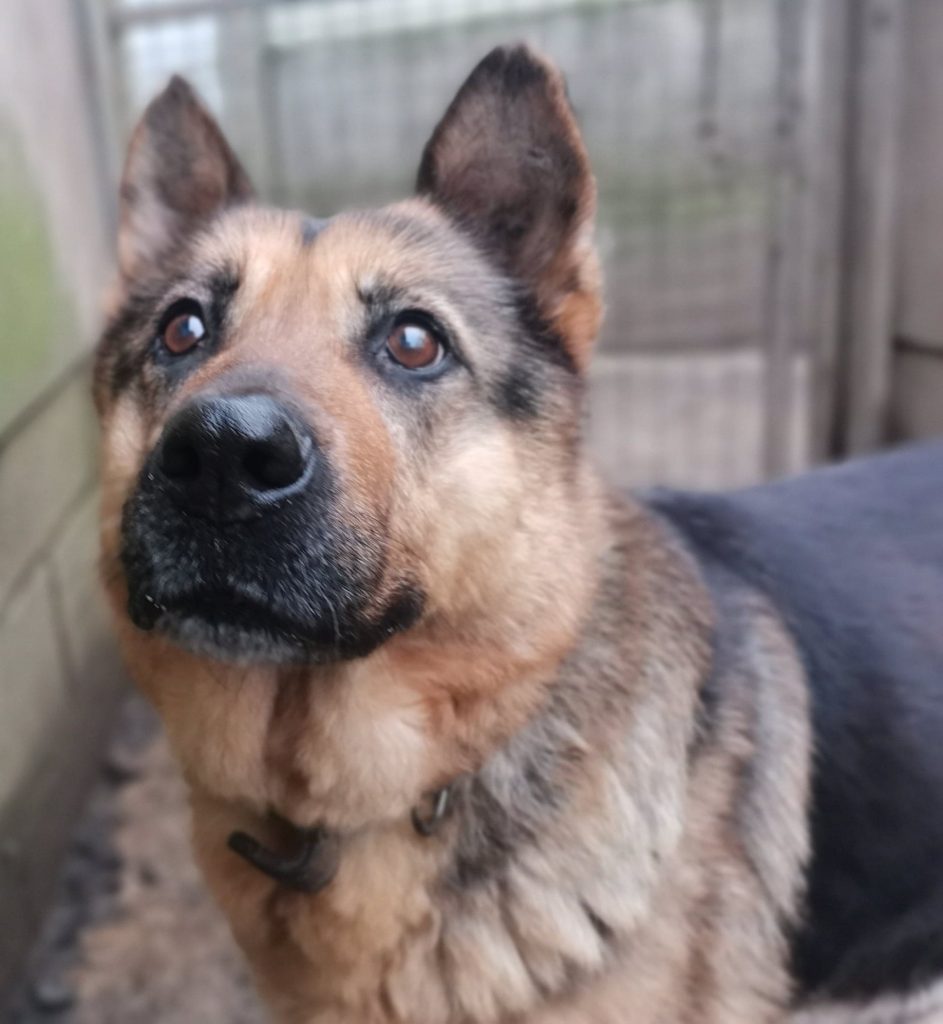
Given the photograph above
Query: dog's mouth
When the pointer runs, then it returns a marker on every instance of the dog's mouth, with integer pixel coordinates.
(231, 624)
(234, 624)
(295, 585)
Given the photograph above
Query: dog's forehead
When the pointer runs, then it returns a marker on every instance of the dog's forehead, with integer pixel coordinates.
(306, 291)
(281, 256)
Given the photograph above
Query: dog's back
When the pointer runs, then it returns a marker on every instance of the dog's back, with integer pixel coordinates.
(853, 559)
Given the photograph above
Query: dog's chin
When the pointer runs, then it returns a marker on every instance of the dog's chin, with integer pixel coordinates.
(228, 627)
(241, 644)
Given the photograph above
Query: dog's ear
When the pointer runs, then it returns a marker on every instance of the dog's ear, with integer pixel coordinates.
(507, 163)
(178, 173)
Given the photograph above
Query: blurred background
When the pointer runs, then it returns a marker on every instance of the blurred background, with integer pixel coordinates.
(771, 223)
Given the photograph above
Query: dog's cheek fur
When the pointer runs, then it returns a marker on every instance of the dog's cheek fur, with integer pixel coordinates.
(488, 513)
(459, 514)
(123, 448)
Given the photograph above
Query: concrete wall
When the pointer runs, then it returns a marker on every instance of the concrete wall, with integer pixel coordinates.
(59, 677)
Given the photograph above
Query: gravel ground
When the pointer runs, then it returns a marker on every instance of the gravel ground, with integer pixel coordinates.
(133, 937)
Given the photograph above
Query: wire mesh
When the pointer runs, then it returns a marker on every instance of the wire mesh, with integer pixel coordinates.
(330, 101)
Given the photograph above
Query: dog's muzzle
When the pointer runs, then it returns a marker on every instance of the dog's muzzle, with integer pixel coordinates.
(224, 536)
(238, 543)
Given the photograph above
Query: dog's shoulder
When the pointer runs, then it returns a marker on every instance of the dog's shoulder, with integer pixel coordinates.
(852, 559)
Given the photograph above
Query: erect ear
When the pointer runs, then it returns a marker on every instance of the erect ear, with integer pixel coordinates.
(178, 173)
(507, 163)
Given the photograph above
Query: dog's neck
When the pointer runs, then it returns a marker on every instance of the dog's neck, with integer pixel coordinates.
(556, 843)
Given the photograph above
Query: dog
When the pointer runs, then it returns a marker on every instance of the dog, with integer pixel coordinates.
(470, 736)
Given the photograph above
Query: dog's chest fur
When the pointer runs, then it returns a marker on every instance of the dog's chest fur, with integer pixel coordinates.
(618, 850)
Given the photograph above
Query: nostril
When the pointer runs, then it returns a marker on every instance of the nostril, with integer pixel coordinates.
(228, 457)
(179, 460)
(277, 462)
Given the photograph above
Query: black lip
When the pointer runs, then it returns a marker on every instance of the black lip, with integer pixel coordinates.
(222, 613)
(237, 610)
(229, 643)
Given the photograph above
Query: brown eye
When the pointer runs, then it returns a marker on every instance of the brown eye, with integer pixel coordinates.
(183, 333)
(413, 346)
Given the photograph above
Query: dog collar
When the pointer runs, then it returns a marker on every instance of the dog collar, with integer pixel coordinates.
(314, 863)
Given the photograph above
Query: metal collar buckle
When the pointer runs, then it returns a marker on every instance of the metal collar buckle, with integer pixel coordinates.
(314, 864)
(310, 869)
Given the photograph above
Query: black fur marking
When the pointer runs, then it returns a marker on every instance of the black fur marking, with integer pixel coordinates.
(488, 838)
(600, 927)
(539, 365)
(517, 395)
(512, 800)
(223, 286)
(853, 559)
(539, 336)
(382, 298)
(121, 356)
(709, 698)
(403, 611)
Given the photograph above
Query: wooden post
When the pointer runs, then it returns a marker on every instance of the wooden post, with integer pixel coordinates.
(785, 245)
(805, 232)
(870, 233)
(95, 46)
(829, 42)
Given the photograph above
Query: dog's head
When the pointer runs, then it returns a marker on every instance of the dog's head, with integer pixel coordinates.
(322, 437)
(321, 432)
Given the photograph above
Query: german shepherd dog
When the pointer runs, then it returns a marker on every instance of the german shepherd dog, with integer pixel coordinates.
(471, 738)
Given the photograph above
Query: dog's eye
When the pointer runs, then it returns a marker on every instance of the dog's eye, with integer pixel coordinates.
(414, 346)
(183, 331)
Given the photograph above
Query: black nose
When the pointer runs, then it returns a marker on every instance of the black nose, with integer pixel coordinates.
(232, 457)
